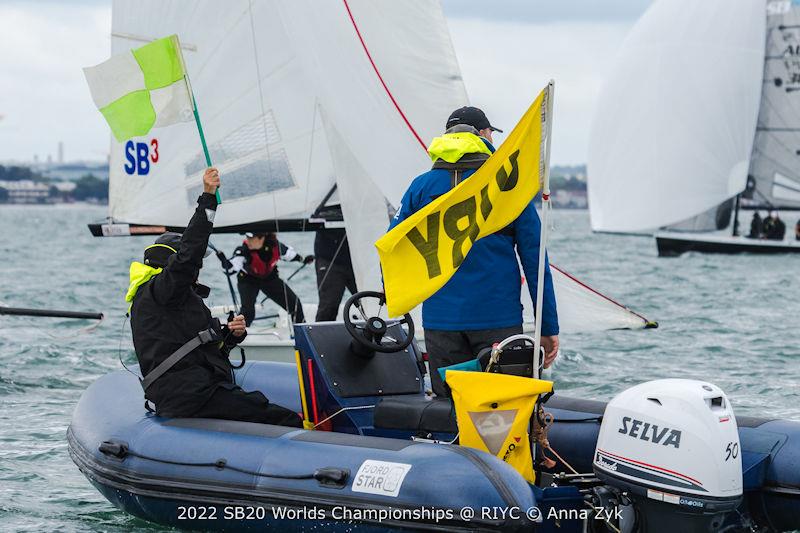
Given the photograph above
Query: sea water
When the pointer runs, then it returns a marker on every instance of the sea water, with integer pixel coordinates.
(731, 320)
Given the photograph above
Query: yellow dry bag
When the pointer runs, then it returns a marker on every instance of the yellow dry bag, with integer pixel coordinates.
(493, 412)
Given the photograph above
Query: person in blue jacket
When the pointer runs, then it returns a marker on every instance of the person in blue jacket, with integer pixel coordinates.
(480, 305)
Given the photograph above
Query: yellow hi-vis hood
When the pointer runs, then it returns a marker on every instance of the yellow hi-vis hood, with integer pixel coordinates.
(452, 146)
(140, 274)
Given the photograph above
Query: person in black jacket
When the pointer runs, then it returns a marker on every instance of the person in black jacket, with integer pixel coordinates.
(756, 226)
(167, 311)
(256, 262)
(334, 271)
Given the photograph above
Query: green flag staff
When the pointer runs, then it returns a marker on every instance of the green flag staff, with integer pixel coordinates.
(202, 137)
(197, 116)
(537, 332)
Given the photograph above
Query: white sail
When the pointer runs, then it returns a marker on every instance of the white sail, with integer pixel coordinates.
(387, 76)
(774, 169)
(257, 110)
(582, 308)
(387, 79)
(675, 121)
(299, 95)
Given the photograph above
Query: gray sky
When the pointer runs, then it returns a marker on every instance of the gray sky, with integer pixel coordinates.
(507, 49)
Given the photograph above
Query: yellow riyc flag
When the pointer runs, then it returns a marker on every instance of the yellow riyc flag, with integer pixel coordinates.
(421, 253)
(493, 412)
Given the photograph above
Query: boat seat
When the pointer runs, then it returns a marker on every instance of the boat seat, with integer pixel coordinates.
(415, 413)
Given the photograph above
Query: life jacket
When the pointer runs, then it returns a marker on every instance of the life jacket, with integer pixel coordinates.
(453, 146)
(139, 275)
(259, 267)
(457, 151)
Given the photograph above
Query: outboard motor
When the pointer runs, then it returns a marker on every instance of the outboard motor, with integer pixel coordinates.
(669, 449)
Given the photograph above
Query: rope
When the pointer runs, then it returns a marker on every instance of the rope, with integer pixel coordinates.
(380, 78)
(289, 312)
(221, 464)
(542, 422)
(119, 349)
(342, 410)
(609, 524)
(335, 255)
(310, 157)
(87, 329)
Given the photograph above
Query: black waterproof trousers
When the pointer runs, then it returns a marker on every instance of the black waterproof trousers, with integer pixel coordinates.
(447, 348)
(231, 402)
(275, 289)
(332, 280)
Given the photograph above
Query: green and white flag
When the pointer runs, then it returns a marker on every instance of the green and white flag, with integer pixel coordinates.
(142, 89)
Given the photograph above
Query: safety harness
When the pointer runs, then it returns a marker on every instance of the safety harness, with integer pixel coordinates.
(207, 336)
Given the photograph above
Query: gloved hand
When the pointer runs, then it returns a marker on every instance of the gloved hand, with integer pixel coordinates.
(226, 264)
(308, 259)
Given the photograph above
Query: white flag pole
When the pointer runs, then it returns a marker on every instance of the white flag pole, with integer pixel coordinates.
(548, 122)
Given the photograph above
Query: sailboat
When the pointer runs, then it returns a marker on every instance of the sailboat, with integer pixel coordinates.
(302, 143)
(698, 127)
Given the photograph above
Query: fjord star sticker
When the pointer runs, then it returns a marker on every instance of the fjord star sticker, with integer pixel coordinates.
(493, 427)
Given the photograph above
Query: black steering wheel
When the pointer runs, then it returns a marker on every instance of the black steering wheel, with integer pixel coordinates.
(370, 335)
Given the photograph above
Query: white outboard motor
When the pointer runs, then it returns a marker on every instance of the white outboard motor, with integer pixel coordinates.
(672, 446)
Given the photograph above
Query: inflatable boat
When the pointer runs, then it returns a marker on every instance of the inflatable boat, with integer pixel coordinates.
(662, 456)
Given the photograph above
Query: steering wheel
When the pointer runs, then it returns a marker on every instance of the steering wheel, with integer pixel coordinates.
(371, 334)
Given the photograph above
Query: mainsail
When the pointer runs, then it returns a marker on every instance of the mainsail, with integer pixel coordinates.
(775, 164)
(673, 130)
(297, 97)
(258, 109)
(387, 78)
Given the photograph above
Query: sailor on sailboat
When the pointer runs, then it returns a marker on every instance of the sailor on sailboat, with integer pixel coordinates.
(334, 270)
(255, 263)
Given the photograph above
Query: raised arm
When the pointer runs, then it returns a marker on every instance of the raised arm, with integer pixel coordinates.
(183, 268)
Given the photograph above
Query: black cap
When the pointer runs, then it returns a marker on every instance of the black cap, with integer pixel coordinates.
(157, 254)
(471, 116)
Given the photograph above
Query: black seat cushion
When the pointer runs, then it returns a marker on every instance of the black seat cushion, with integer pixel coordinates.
(416, 413)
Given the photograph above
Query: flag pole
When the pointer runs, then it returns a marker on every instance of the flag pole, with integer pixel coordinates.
(194, 111)
(537, 332)
(200, 131)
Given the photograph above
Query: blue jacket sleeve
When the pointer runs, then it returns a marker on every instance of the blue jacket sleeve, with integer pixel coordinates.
(527, 229)
(406, 209)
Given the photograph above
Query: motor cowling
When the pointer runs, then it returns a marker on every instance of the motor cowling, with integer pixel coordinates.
(672, 446)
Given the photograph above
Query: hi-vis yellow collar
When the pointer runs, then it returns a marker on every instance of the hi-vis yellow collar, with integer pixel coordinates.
(452, 146)
(140, 274)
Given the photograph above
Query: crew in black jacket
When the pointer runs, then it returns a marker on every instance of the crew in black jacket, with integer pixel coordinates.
(168, 310)
(334, 271)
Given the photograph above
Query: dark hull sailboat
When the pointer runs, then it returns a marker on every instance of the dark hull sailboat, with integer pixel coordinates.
(672, 243)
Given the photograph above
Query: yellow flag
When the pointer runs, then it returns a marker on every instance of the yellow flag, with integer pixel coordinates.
(493, 412)
(421, 253)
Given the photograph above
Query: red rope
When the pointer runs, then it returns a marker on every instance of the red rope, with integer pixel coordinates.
(377, 72)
